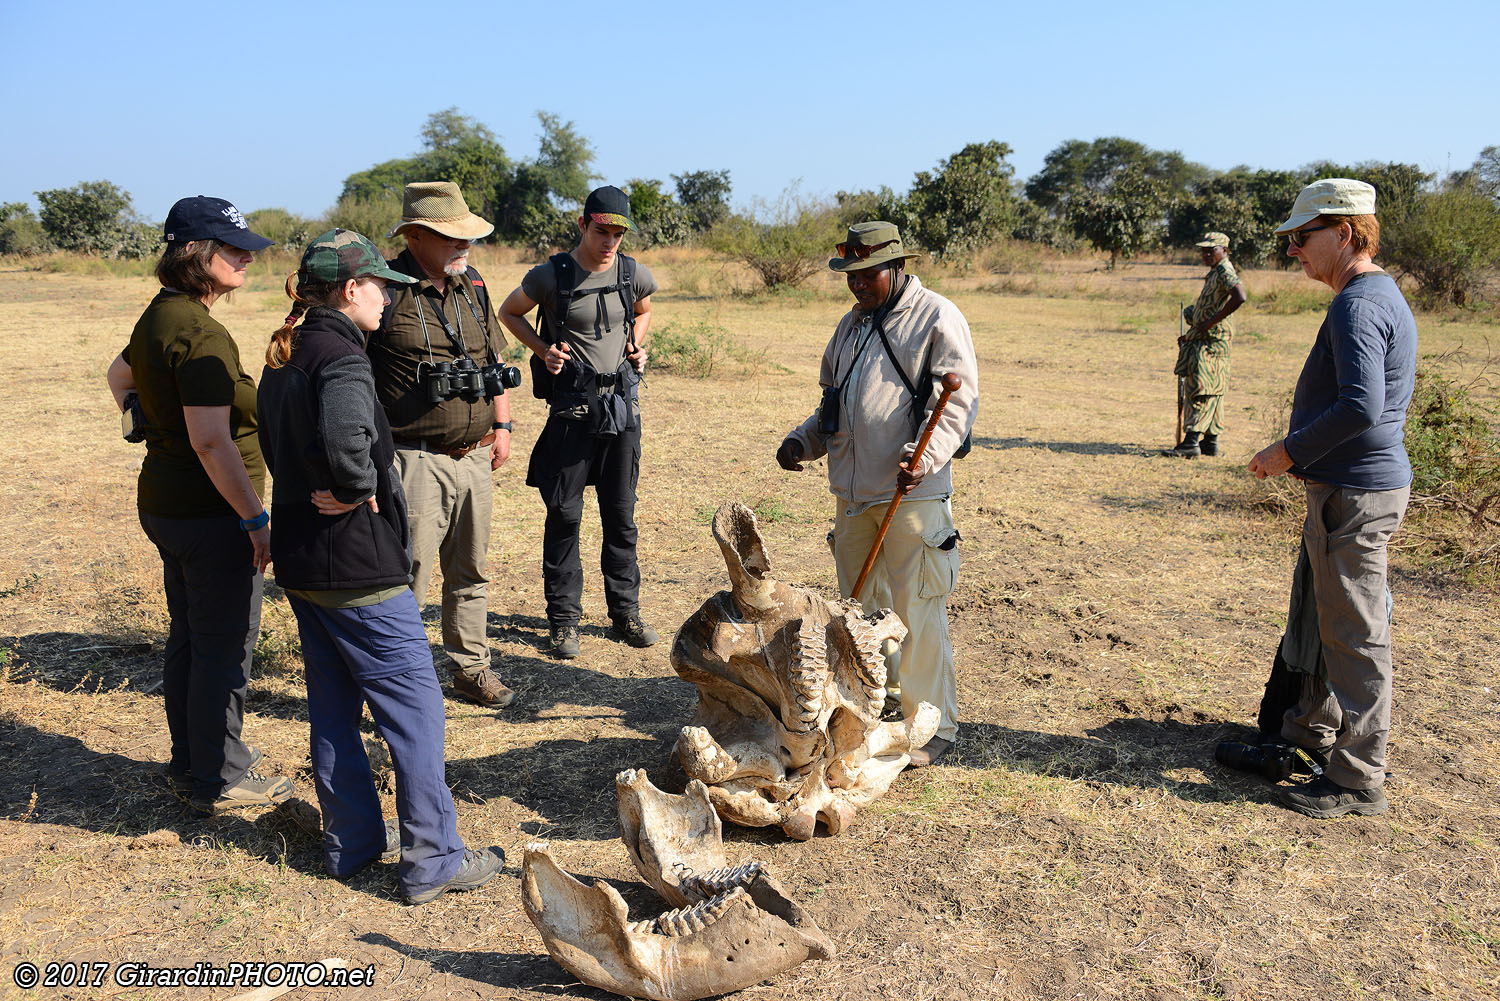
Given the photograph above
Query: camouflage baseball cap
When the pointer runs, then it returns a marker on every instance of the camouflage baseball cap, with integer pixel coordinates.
(1213, 240)
(341, 254)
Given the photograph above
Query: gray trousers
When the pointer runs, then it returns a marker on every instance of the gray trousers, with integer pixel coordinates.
(449, 502)
(1348, 713)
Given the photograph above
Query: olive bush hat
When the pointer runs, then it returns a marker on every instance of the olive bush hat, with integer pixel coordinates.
(1213, 240)
(1330, 196)
(440, 206)
(341, 254)
(869, 244)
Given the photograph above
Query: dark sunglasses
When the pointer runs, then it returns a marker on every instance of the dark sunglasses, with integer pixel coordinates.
(859, 251)
(1298, 237)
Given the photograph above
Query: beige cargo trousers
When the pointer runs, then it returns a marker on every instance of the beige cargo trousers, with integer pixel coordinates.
(912, 576)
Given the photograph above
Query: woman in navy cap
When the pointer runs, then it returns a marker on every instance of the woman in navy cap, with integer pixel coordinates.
(343, 554)
(199, 500)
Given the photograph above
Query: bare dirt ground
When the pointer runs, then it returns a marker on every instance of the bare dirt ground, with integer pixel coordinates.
(1115, 617)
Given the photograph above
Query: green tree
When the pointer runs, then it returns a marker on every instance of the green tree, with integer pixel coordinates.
(1447, 241)
(1123, 219)
(89, 218)
(966, 202)
(565, 160)
(704, 194)
(460, 149)
(289, 232)
(1075, 167)
(20, 231)
(785, 242)
(1242, 204)
(659, 219)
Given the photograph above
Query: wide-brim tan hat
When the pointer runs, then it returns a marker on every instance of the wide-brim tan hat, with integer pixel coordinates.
(440, 207)
(870, 244)
(1330, 196)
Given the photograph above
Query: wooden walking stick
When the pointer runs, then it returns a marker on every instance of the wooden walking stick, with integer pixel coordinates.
(951, 382)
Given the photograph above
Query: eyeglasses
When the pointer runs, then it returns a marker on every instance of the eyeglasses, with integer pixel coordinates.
(859, 251)
(1298, 237)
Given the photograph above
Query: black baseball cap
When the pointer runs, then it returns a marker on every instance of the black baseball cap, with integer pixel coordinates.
(608, 206)
(205, 218)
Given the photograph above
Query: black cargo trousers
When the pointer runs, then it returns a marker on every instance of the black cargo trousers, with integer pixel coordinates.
(568, 456)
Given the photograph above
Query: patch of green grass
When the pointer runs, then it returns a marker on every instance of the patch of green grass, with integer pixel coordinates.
(21, 585)
(1293, 299)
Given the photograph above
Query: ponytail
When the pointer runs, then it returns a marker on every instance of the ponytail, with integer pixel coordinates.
(307, 292)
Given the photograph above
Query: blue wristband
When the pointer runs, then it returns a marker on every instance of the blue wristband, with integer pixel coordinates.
(258, 522)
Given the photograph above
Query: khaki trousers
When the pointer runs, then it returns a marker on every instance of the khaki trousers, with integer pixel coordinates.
(912, 576)
(449, 503)
(1348, 713)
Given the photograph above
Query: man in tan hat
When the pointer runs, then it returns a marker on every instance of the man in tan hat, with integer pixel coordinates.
(431, 357)
(1203, 351)
(881, 378)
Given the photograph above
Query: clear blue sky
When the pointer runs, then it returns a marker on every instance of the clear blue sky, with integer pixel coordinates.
(276, 103)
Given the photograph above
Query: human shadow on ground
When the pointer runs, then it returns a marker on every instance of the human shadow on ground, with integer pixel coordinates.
(53, 778)
(1129, 751)
(515, 970)
(1073, 447)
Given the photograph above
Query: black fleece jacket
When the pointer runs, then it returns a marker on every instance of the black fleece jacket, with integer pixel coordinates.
(321, 429)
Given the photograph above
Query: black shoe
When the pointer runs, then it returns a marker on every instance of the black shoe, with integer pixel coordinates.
(478, 868)
(563, 642)
(1274, 761)
(1324, 798)
(1187, 448)
(630, 629)
(1209, 445)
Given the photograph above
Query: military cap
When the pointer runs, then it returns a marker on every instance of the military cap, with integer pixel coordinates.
(341, 254)
(1213, 240)
(1330, 196)
(869, 244)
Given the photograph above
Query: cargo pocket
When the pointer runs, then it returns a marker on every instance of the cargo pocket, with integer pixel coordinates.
(939, 563)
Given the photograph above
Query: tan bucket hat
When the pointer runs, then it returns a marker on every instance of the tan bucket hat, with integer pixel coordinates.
(440, 206)
(1330, 196)
(869, 244)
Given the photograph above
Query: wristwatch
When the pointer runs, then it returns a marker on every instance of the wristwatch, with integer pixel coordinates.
(500, 426)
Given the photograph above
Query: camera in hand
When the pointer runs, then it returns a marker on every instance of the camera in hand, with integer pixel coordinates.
(828, 411)
(465, 380)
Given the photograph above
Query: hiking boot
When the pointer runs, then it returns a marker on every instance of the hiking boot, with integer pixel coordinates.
(630, 629)
(390, 853)
(1324, 798)
(1274, 761)
(1187, 448)
(478, 868)
(930, 753)
(483, 688)
(563, 642)
(254, 789)
(181, 783)
(1209, 445)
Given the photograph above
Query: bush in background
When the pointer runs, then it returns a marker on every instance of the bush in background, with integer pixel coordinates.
(784, 243)
(291, 232)
(1447, 241)
(21, 232)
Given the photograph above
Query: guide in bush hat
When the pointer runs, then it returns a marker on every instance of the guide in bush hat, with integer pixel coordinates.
(1203, 350)
(881, 378)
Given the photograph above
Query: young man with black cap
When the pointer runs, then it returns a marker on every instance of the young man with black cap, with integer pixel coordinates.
(595, 312)
(447, 442)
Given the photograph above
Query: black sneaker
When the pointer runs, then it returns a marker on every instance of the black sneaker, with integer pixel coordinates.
(1324, 798)
(478, 868)
(630, 629)
(563, 642)
(1209, 445)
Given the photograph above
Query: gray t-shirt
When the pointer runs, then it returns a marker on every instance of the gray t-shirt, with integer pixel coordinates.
(596, 320)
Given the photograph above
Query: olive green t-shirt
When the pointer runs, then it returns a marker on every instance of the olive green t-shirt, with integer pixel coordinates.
(596, 320)
(180, 356)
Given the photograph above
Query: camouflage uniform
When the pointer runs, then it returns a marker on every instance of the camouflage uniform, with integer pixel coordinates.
(1204, 357)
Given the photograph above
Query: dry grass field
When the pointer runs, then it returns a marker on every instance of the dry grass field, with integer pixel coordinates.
(1115, 617)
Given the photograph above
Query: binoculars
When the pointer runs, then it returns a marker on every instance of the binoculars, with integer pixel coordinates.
(465, 380)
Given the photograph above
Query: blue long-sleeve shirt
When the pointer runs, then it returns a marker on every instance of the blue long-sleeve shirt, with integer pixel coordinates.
(1349, 411)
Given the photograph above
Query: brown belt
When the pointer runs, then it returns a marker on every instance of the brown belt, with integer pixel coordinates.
(425, 445)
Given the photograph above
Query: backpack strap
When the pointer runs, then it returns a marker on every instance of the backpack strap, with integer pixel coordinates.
(627, 296)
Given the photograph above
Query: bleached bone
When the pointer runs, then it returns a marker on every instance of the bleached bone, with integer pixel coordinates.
(790, 689)
(741, 935)
(668, 837)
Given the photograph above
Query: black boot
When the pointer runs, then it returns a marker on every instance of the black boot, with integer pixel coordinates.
(1209, 445)
(1187, 448)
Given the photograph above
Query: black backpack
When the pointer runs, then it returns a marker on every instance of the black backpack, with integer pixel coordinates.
(565, 273)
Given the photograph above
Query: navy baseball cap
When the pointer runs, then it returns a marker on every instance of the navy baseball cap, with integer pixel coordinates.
(205, 218)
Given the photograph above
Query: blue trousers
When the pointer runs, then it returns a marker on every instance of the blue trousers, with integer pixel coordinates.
(378, 654)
